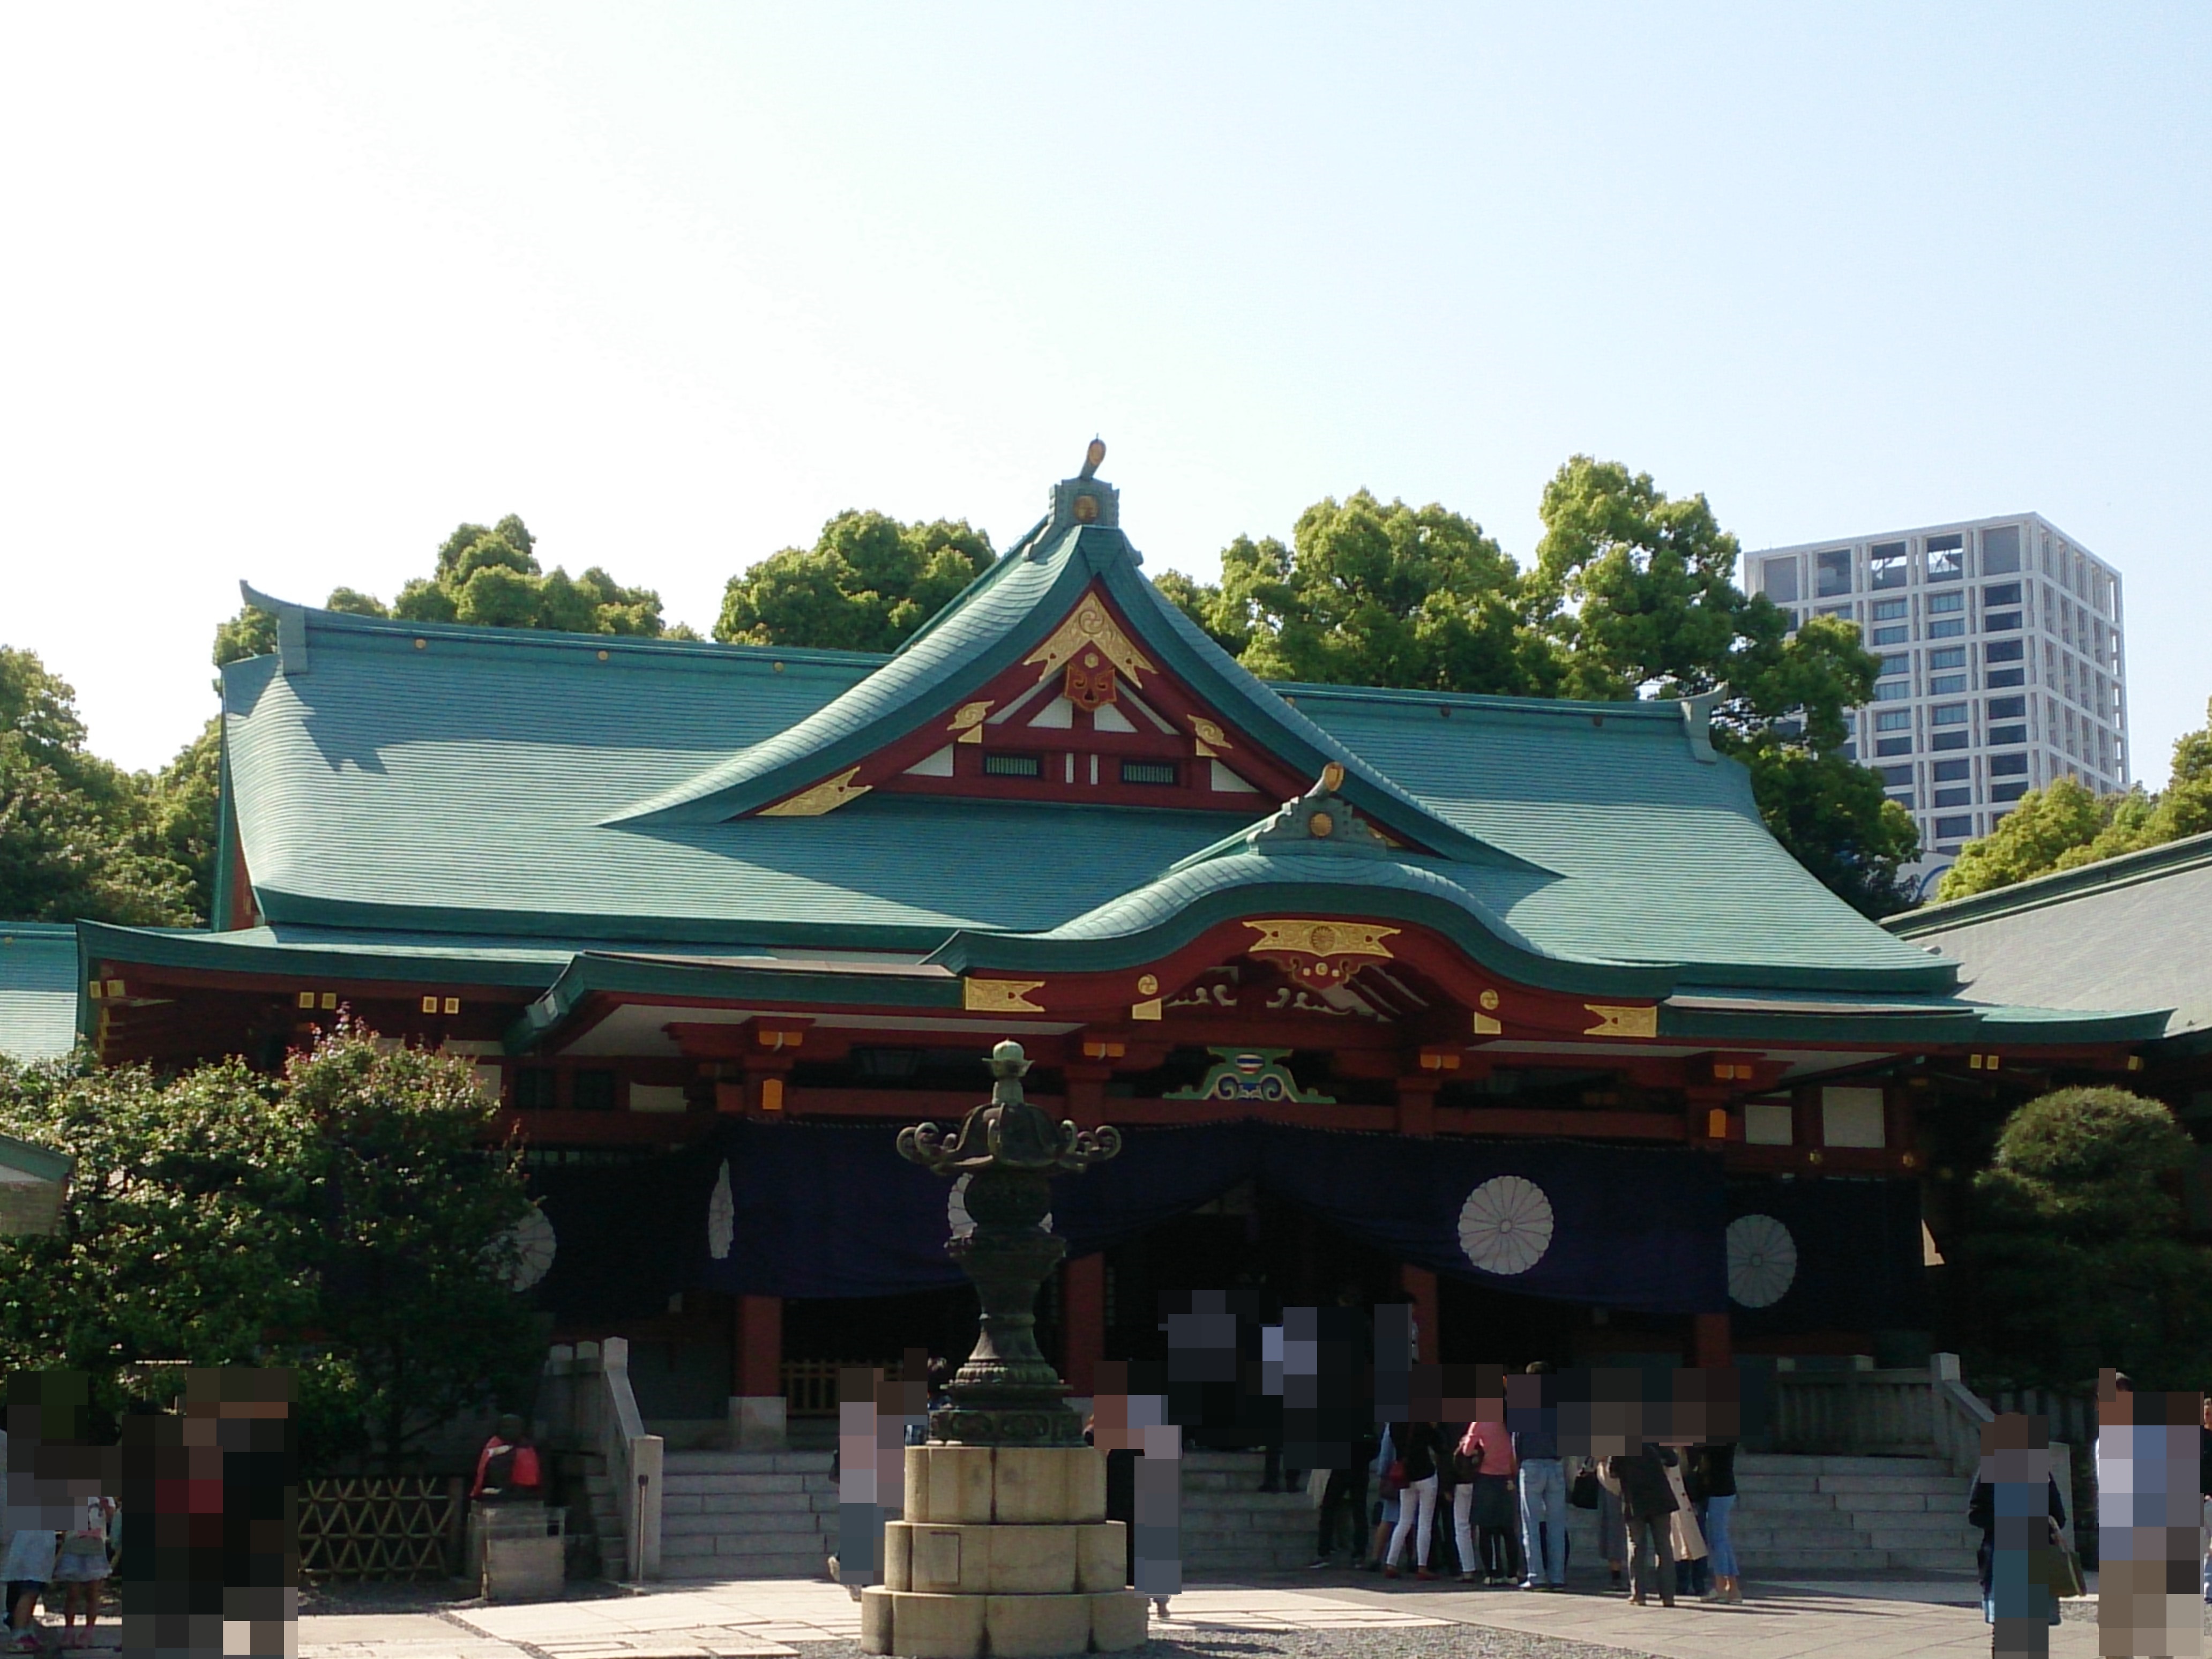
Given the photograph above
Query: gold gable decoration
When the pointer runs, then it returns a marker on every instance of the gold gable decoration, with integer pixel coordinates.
(1089, 628)
(824, 797)
(1322, 953)
(1635, 1020)
(1000, 996)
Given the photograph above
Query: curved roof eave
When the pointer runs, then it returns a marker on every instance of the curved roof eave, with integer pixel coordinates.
(1160, 918)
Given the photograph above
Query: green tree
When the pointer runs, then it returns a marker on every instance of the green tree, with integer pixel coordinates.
(2076, 1254)
(78, 835)
(411, 1247)
(1373, 595)
(185, 798)
(867, 583)
(345, 1217)
(1632, 594)
(2064, 825)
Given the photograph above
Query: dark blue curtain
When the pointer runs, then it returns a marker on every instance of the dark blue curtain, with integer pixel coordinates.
(1856, 1244)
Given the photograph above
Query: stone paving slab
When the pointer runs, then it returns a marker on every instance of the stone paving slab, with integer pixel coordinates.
(1843, 1619)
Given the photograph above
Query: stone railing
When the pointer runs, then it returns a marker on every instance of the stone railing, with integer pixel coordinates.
(584, 1404)
(634, 1459)
(1912, 1411)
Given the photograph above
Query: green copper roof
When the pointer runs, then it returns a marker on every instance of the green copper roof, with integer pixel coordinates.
(396, 784)
(38, 989)
(2133, 932)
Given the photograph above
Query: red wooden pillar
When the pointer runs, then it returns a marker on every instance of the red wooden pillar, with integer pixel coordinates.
(758, 1409)
(1420, 1287)
(1083, 1322)
(1711, 1343)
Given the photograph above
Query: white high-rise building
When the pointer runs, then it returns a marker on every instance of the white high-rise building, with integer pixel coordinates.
(2002, 663)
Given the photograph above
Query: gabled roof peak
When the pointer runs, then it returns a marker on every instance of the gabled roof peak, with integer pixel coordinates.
(1319, 824)
(1084, 499)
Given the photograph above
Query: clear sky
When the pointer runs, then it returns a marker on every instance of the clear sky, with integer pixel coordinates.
(288, 293)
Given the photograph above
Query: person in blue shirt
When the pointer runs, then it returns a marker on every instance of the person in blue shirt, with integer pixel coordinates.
(1535, 1431)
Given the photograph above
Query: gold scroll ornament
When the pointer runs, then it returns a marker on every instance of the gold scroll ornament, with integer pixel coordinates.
(1089, 628)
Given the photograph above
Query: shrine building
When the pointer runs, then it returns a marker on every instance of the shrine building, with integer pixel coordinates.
(1510, 1008)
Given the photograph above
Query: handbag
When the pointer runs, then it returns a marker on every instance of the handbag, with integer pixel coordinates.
(1394, 1478)
(1582, 1492)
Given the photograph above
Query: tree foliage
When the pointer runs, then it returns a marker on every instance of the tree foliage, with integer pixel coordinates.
(344, 1217)
(867, 583)
(2076, 1254)
(2064, 825)
(1632, 594)
(79, 836)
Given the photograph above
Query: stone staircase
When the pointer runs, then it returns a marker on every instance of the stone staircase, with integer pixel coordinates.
(747, 1515)
(1849, 1515)
(1230, 1528)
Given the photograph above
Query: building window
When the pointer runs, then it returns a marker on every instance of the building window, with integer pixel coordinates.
(1891, 610)
(2008, 708)
(1895, 633)
(1896, 664)
(1886, 565)
(1963, 797)
(1141, 771)
(591, 1090)
(2007, 734)
(1947, 714)
(1893, 719)
(1953, 829)
(1851, 1117)
(535, 1088)
(1834, 573)
(1950, 771)
(1998, 677)
(1948, 740)
(2001, 549)
(2008, 766)
(1903, 799)
(1946, 685)
(2013, 791)
(1013, 766)
(2002, 651)
(1778, 579)
(1940, 602)
(1886, 746)
(2000, 594)
(1896, 777)
(1946, 558)
(1950, 656)
(2000, 622)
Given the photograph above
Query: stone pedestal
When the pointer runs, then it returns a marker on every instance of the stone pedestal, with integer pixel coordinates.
(1005, 1551)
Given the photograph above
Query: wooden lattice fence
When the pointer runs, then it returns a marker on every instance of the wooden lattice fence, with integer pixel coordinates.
(381, 1527)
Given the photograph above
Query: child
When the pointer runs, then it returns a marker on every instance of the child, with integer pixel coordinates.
(29, 1570)
(79, 1568)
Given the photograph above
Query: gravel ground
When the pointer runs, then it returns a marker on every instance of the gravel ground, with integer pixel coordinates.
(1422, 1641)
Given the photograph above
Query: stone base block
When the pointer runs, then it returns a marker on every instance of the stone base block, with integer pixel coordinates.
(1118, 1620)
(916, 1626)
(1019, 1485)
(922, 1626)
(1036, 1627)
(969, 1560)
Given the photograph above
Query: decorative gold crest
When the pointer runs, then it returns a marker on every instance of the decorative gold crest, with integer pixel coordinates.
(1000, 996)
(824, 797)
(1619, 1022)
(1089, 628)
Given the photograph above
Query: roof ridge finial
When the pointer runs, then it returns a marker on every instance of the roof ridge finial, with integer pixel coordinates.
(1092, 457)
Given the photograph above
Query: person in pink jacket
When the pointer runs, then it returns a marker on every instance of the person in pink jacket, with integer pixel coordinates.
(1484, 1498)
